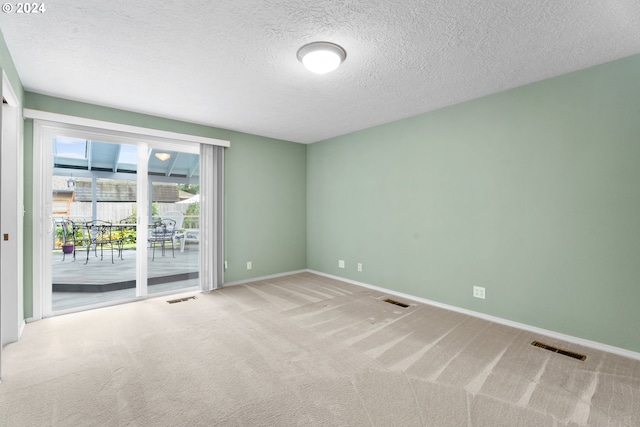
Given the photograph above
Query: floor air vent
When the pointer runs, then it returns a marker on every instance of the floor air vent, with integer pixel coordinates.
(401, 304)
(173, 301)
(559, 350)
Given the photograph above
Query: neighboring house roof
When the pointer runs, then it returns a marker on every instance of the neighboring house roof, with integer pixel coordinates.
(63, 194)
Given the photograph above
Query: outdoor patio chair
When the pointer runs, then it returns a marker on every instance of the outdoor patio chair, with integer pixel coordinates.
(162, 233)
(178, 217)
(100, 233)
(129, 220)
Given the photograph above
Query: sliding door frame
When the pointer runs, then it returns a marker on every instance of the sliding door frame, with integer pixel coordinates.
(143, 138)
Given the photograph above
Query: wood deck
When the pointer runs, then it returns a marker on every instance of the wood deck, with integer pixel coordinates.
(99, 280)
(99, 275)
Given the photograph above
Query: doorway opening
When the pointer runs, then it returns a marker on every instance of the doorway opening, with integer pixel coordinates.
(123, 218)
(95, 201)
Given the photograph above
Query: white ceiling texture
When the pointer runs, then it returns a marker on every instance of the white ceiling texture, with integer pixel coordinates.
(232, 64)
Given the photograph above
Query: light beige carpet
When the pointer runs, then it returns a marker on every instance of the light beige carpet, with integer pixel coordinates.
(303, 350)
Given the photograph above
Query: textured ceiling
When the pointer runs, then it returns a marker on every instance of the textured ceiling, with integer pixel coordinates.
(232, 64)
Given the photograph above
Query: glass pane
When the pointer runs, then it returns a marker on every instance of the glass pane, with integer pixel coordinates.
(174, 238)
(94, 210)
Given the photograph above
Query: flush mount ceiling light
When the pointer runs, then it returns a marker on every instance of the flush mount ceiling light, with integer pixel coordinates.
(321, 57)
(163, 156)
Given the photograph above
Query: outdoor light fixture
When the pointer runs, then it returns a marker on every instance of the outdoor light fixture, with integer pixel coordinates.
(321, 57)
(163, 156)
(71, 183)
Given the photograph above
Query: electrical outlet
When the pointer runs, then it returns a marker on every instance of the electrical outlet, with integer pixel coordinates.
(340, 263)
(478, 292)
(249, 265)
(360, 266)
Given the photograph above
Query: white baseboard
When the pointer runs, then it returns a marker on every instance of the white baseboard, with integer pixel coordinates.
(257, 279)
(557, 335)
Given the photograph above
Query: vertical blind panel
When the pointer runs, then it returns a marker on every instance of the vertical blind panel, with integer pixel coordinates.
(211, 216)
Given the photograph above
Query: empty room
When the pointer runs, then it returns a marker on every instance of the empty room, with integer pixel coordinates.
(358, 213)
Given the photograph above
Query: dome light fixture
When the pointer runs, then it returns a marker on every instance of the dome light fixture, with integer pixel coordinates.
(321, 57)
(163, 156)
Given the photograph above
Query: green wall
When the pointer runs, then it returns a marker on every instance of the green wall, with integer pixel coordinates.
(265, 186)
(266, 221)
(7, 65)
(532, 193)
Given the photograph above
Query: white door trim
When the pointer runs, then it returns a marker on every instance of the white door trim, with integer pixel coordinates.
(142, 220)
(11, 217)
(117, 127)
(42, 224)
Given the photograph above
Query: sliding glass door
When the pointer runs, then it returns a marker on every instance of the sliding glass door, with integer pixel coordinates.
(124, 220)
(173, 234)
(94, 206)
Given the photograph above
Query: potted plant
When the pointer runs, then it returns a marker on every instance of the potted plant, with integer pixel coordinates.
(67, 247)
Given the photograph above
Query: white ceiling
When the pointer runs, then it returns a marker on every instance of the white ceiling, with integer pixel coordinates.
(232, 64)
